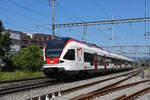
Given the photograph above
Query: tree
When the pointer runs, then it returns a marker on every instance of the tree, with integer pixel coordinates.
(5, 43)
(1, 27)
(1, 38)
(29, 59)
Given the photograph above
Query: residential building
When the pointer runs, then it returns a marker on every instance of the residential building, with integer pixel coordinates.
(22, 40)
(15, 40)
(40, 39)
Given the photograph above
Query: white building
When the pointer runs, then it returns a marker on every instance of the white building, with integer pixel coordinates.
(15, 40)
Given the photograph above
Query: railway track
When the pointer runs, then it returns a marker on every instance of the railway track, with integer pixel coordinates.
(21, 80)
(101, 91)
(134, 95)
(114, 89)
(7, 87)
(67, 91)
(21, 85)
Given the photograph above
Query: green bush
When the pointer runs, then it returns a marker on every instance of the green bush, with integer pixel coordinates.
(29, 59)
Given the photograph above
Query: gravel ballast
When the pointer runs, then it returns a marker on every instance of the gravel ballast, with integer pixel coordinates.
(50, 89)
(126, 91)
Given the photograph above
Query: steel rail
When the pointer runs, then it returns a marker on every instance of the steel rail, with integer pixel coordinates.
(63, 92)
(19, 80)
(120, 97)
(120, 88)
(136, 94)
(26, 87)
(100, 91)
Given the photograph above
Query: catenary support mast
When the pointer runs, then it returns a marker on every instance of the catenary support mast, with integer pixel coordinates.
(53, 17)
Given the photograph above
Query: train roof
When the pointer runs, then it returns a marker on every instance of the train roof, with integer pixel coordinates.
(106, 53)
(65, 39)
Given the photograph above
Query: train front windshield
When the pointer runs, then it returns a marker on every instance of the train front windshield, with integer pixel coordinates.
(54, 48)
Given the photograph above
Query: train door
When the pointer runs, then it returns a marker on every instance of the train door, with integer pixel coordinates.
(80, 60)
(105, 62)
(96, 61)
(70, 59)
(115, 63)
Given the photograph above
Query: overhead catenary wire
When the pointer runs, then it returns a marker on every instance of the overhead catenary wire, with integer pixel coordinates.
(113, 9)
(29, 9)
(104, 22)
(116, 12)
(20, 26)
(105, 13)
(26, 8)
(100, 8)
(72, 16)
(23, 15)
(69, 13)
(20, 14)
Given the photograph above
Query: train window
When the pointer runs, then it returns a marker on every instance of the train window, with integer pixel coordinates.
(99, 58)
(70, 55)
(101, 63)
(91, 63)
(107, 64)
(85, 57)
(88, 57)
(53, 53)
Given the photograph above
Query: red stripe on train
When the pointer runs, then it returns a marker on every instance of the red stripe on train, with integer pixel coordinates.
(52, 60)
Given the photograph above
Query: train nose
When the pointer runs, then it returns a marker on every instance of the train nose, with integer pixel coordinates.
(50, 70)
(52, 60)
(53, 72)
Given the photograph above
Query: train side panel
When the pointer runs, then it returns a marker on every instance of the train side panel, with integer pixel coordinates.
(75, 56)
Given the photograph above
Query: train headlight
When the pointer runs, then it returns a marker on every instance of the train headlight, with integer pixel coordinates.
(60, 61)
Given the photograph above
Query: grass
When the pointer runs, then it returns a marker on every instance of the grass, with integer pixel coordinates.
(5, 76)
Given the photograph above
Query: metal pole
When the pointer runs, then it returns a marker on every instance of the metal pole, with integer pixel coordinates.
(85, 33)
(53, 19)
(149, 52)
(112, 30)
(145, 17)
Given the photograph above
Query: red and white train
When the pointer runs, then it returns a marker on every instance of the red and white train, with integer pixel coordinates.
(66, 56)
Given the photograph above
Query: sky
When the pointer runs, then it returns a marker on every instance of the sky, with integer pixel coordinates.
(34, 16)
